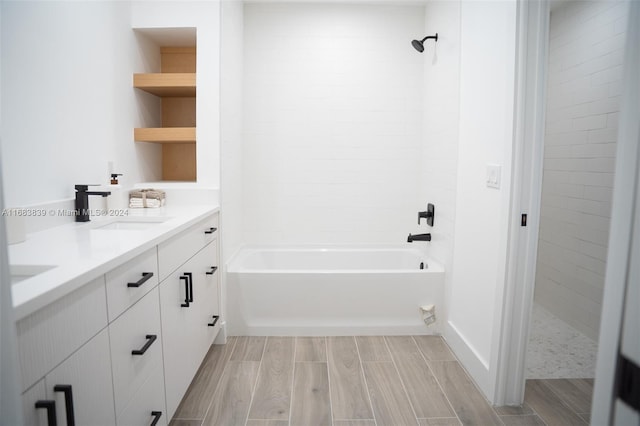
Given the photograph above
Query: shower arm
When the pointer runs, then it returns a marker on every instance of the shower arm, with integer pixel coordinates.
(435, 37)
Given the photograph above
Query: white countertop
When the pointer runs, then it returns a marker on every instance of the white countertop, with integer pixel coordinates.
(80, 252)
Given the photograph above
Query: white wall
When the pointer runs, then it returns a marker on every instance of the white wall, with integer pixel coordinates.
(333, 122)
(67, 100)
(68, 105)
(205, 17)
(486, 125)
(231, 72)
(10, 405)
(441, 103)
(584, 85)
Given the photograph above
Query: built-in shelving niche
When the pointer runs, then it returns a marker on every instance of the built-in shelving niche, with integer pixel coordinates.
(175, 86)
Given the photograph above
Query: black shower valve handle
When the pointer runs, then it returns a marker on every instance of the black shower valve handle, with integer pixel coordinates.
(429, 214)
(424, 215)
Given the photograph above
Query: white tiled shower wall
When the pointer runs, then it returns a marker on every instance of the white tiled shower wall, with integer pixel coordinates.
(441, 124)
(332, 123)
(584, 84)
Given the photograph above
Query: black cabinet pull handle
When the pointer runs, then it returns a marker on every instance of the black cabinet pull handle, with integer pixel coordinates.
(211, 230)
(186, 291)
(190, 276)
(212, 271)
(150, 339)
(68, 402)
(156, 416)
(215, 320)
(144, 279)
(50, 406)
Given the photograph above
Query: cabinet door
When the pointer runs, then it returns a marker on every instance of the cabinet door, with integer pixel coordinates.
(53, 333)
(88, 372)
(138, 329)
(181, 333)
(207, 306)
(146, 405)
(34, 416)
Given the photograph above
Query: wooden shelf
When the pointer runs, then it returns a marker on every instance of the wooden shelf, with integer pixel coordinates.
(166, 84)
(165, 134)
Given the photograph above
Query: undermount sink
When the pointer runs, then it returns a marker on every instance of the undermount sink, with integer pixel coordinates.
(22, 272)
(130, 223)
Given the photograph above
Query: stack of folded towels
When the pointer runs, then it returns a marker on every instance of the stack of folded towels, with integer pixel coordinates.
(144, 198)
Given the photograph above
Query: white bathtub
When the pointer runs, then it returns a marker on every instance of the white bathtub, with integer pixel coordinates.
(342, 290)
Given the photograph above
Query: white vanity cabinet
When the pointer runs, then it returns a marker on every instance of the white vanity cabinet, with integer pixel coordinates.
(136, 356)
(189, 302)
(65, 346)
(80, 388)
(123, 348)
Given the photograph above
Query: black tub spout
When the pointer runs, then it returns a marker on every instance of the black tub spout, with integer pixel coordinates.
(418, 237)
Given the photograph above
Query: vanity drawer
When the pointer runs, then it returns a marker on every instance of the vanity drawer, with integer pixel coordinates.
(127, 283)
(149, 399)
(48, 336)
(176, 251)
(134, 331)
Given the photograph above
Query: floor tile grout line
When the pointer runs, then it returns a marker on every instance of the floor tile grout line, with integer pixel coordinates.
(560, 400)
(475, 385)
(393, 361)
(424, 357)
(366, 384)
(293, 376)
(539, 416)
(255, 385)
(518, 415)
(534, 410)
(224, 369)
(326, 349)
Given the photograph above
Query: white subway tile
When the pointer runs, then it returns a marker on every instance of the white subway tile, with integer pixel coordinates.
(590, 123)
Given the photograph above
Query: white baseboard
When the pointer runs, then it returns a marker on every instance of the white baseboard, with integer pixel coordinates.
(289, 330)
(476, 366)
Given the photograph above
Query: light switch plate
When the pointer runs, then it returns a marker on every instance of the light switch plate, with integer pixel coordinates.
(494, 172)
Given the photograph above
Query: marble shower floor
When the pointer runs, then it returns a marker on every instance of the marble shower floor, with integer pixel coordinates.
(557, 350)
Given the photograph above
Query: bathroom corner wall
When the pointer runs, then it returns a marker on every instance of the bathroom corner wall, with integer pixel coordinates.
(487, 82)
(441, 104)
(231, 176)
(67, 102)
(586, 50)
(332, 122)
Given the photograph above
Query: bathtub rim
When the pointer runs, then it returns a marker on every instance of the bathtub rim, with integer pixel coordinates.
(231, 266)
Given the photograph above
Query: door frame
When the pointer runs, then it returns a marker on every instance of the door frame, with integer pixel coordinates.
(528, 148)
(624, 206)
(529, 119)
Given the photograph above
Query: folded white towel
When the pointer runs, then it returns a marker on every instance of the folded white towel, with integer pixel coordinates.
(138, 203)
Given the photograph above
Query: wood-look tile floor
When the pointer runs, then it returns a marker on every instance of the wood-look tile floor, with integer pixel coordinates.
(360, 381)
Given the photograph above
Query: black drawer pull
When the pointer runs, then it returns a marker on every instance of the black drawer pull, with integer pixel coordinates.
(50, 406)
(212, 271)
(190, 277)
(150, 339)
(68, 402)
(211, 230)
(215, 320)
(156, 416)
(144, 279)
(186, 291)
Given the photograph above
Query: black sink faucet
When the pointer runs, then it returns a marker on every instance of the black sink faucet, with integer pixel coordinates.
(418, 237)
(82, 201)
